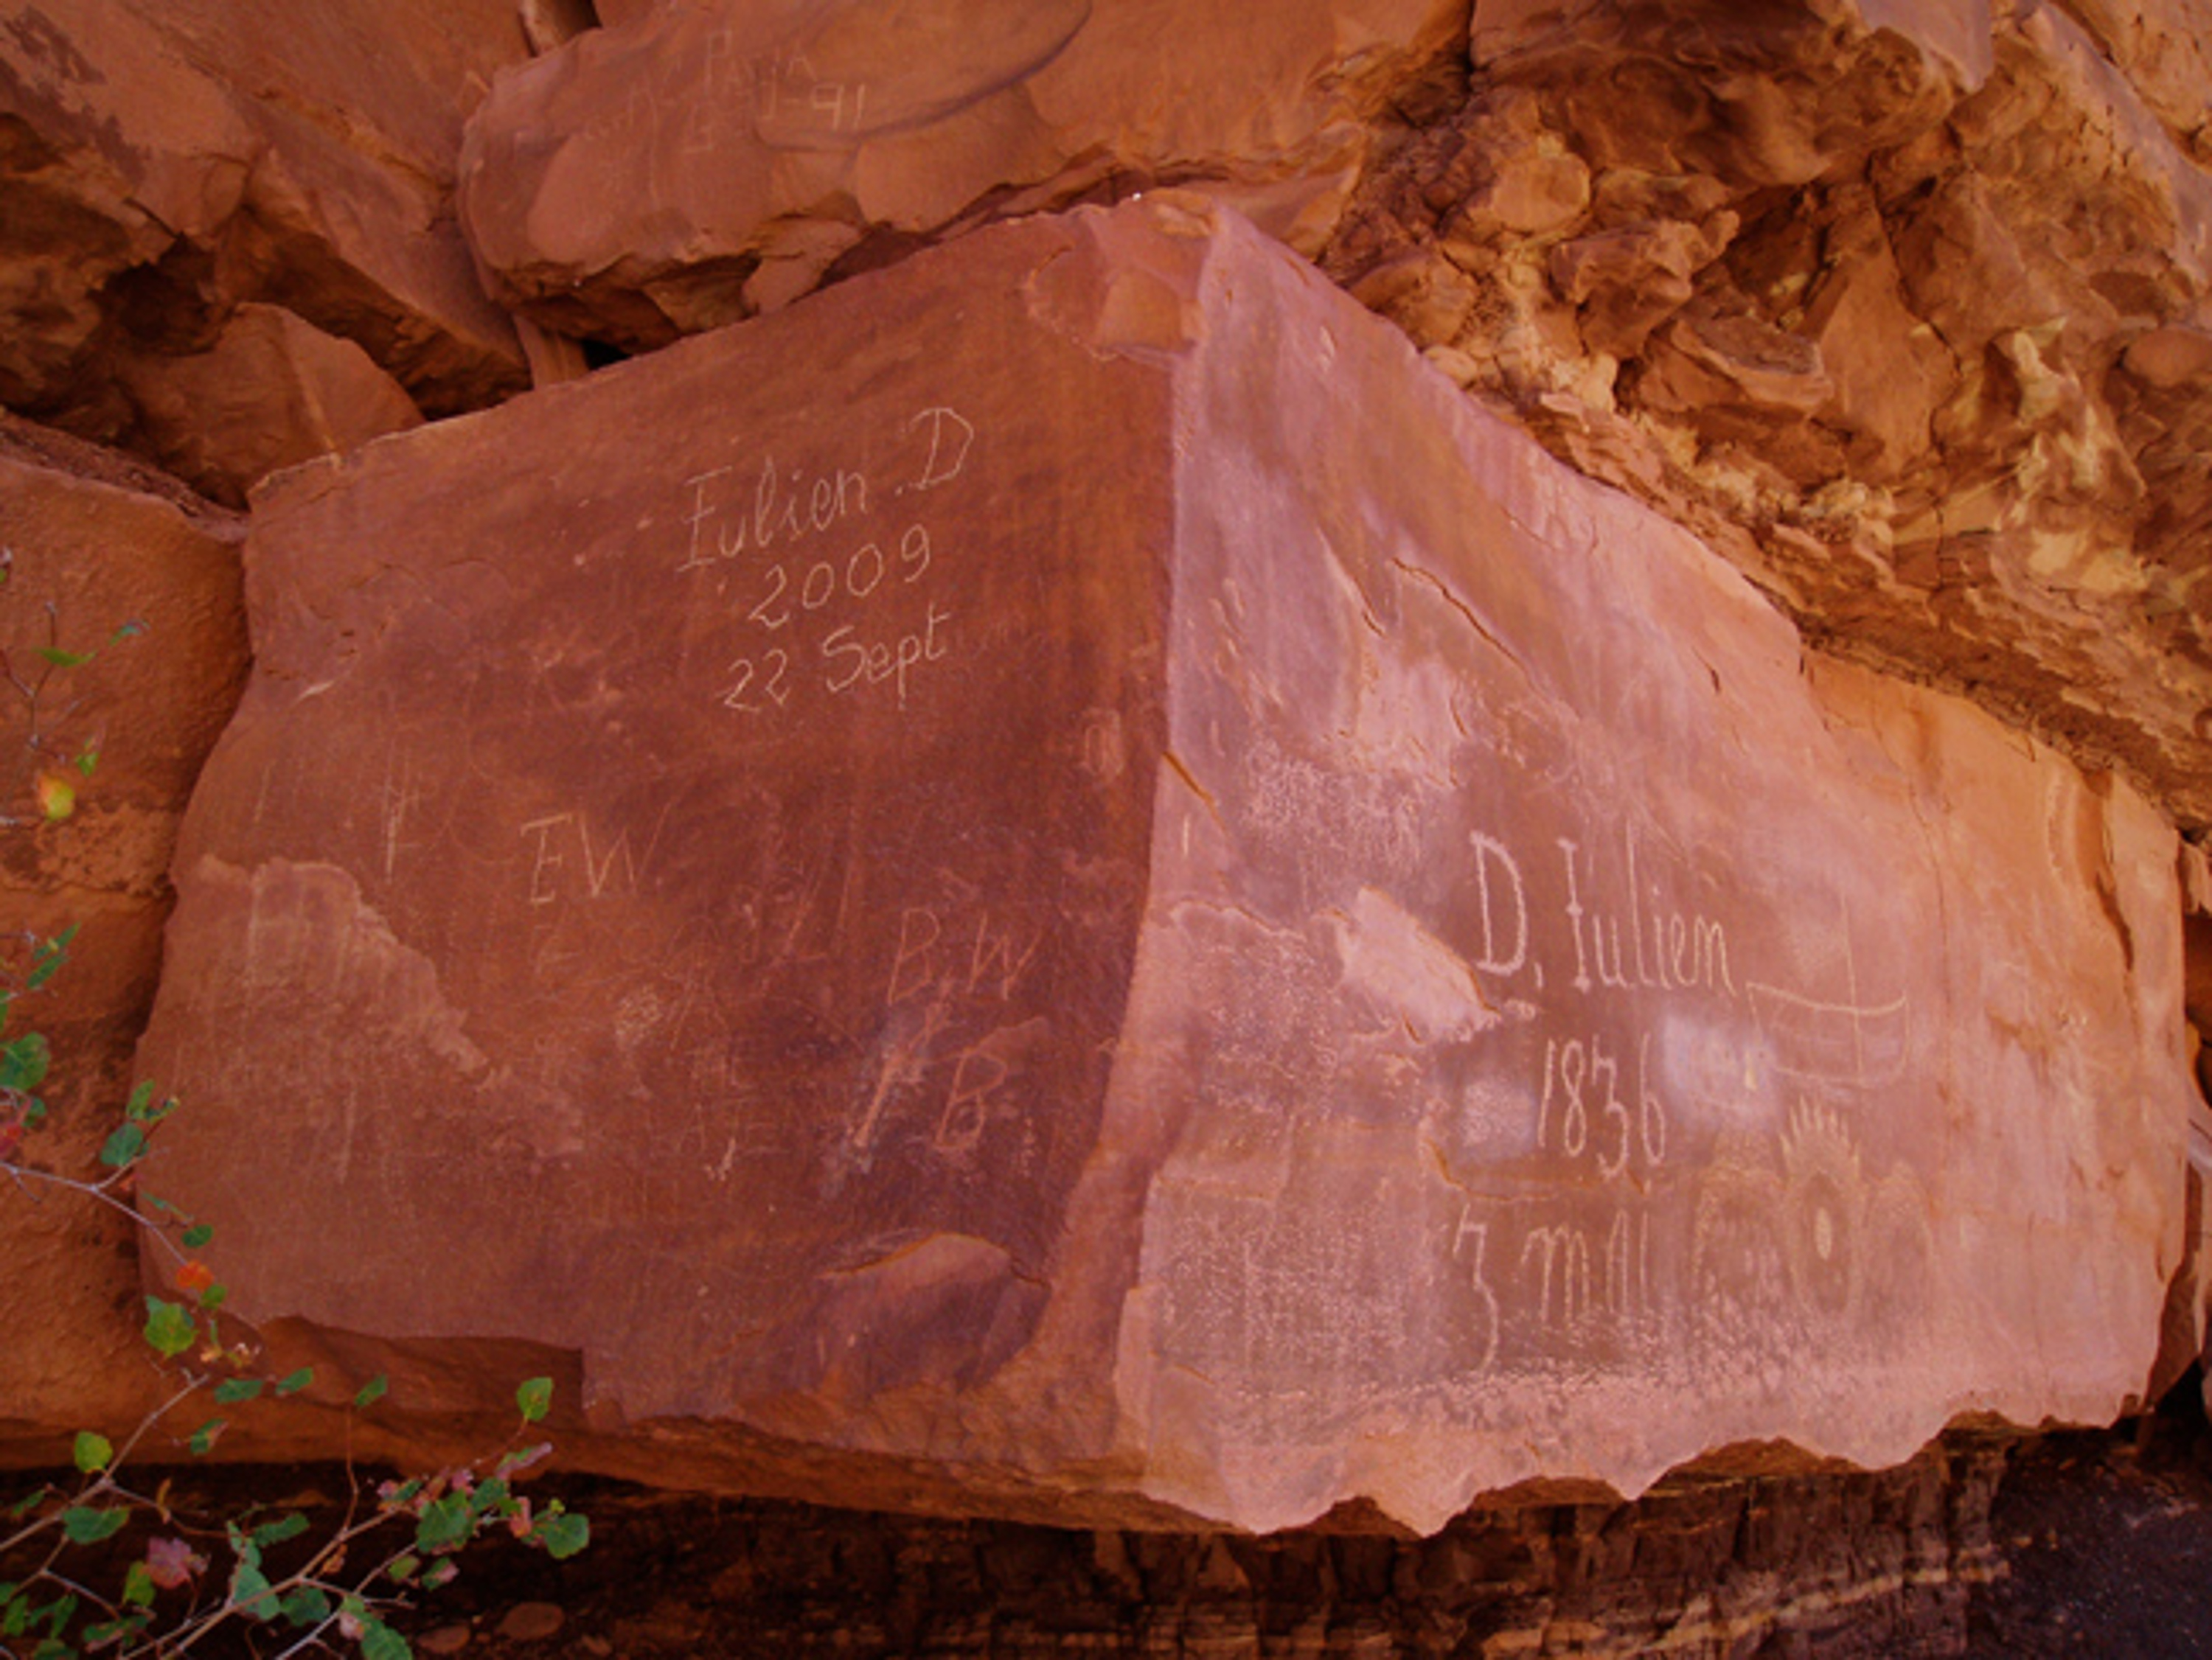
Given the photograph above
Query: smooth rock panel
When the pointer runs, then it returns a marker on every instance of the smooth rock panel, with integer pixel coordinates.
(1059, 884)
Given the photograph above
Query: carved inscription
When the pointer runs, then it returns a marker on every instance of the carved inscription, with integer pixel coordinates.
(1652, 1009)
(951, 982)
(568, 857)
(1688, 1153)
(831, 571)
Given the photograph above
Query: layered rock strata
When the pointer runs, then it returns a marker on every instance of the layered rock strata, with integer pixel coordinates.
(1058, 882)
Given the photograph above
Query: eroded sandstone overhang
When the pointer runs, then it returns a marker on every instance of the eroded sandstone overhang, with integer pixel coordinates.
(1058, 881)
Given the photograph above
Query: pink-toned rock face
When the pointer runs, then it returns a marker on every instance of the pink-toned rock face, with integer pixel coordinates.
(699, 163)
(1058, 881)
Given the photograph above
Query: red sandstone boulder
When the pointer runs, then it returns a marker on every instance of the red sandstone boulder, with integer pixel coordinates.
(272, 391)
(95, 543)
(164, 162)
(1058, 882)
(699, 163)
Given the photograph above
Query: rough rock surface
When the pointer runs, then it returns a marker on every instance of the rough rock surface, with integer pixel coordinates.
(1906, 308)
(1844, 1565)
(161, 163)
(977, 896)
(695, 164)
(95, 542)
(272, 391)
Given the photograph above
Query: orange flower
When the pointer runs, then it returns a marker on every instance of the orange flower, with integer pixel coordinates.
(194, 1277)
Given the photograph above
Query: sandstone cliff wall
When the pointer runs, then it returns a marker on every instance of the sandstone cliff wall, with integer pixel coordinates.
(592, 923)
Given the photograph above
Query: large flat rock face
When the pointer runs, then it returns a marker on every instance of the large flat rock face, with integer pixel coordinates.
(1058, 881)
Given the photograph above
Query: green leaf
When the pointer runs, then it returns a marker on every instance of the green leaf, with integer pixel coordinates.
(373, 1391)
(535, 1398)
(231, 1391)
(23, 1062)
(26, 1504)
(57, 797)
(443, 1573)
(52, 1648)
(170, 1328)
(138, 1587)
(205, 1437)
(490, 1498)
(250, 1593)
(563, 1535)
(87, 762)
(124, 1146)
(276, 1532)
(141, 1093)
(294, 1382)
(44, 964)
(522, 1457)
(400, 1494)
(308, 1606)
(403, 1568)
(379, 1642)
(446, 1523)
(57, 1613)
(214, 1297)
(196, 1238)
(92, 1452)
(109, 1631)
(62, 659)
(84, 1524)
(15, 1618)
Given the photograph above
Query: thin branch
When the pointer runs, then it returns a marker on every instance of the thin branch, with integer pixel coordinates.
(97, 1190)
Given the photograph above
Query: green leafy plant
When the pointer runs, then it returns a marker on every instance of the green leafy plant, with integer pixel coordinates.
(394, 1541)
(93, 1564)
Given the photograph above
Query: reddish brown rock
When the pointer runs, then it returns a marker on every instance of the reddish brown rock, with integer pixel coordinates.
(1059, 882)
(1934, 237)
(697, 164)
(159, 164)
(95, 543)
(272, 391)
